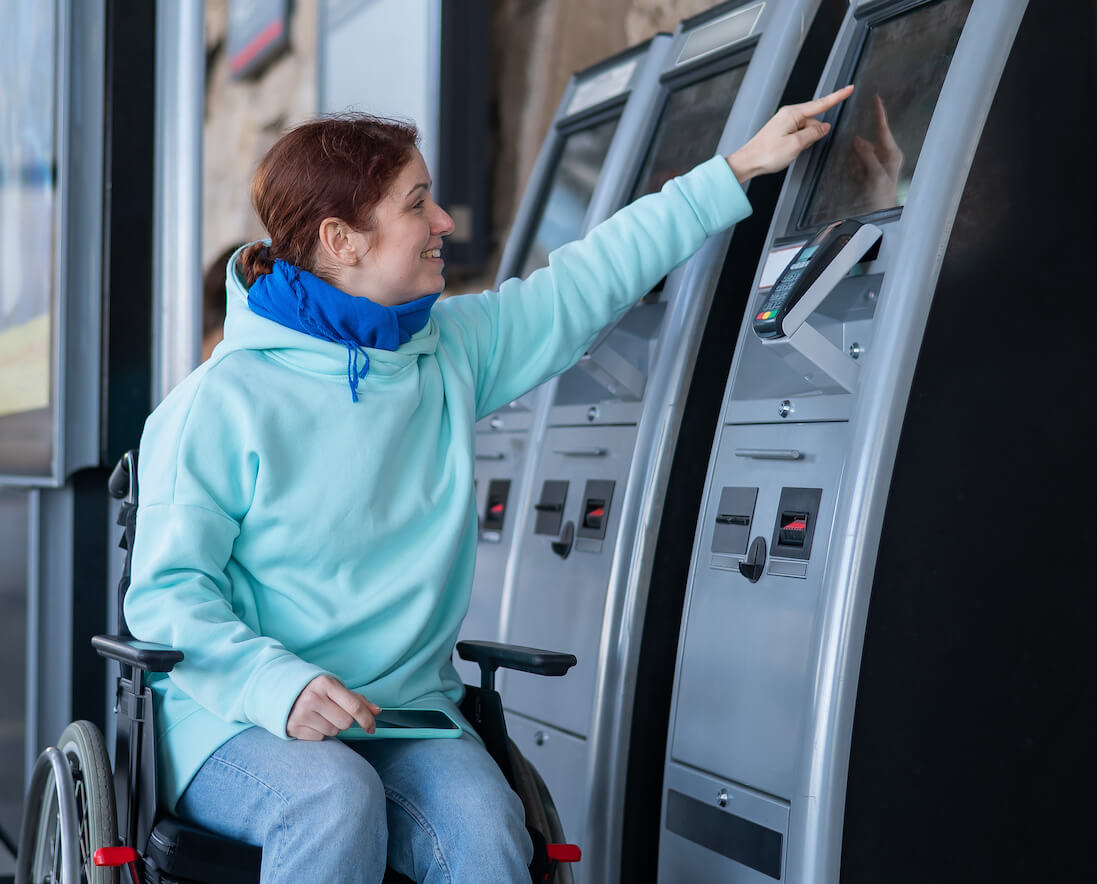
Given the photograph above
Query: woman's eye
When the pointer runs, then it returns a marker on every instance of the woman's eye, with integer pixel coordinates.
(420, 204)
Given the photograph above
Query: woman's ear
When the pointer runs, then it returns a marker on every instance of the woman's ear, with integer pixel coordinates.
(340, 243)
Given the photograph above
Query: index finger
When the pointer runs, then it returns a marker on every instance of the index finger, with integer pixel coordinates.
(355, 705)
(821, 105)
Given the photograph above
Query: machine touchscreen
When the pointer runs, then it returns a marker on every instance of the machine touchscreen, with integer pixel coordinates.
(570, 192)
(689, 129)
(875, 143)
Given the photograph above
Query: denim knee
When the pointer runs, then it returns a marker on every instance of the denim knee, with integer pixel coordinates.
(342, 790)
(489, 822)
(335, 821)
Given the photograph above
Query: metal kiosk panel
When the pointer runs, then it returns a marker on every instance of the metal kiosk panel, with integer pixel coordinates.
(769, 660)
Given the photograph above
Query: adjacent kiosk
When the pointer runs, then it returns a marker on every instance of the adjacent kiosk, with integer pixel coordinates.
(581, 562)
(872, 431)
(600, 115)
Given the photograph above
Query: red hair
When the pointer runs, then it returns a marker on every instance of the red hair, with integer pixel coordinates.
(332, 167)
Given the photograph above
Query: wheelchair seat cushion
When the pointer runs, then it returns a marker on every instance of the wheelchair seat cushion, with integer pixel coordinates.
(183, 850)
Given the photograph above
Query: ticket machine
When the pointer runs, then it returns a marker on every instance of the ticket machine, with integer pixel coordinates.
(590, 143)
(578, 578)
(816, 735)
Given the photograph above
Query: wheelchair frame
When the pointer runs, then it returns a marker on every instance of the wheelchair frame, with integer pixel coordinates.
(73, 783)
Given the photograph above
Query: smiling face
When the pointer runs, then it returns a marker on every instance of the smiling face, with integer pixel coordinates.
(400, 258)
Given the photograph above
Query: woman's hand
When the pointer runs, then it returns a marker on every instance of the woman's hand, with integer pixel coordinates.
(791, 130)
(326, 707)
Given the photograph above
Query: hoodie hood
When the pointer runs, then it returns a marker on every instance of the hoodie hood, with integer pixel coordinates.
(246, 330)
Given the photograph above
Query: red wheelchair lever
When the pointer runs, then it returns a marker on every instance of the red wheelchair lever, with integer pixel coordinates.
(118, 856)
(564, 853)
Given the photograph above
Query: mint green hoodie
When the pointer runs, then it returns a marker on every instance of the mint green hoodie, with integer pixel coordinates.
(285, 532)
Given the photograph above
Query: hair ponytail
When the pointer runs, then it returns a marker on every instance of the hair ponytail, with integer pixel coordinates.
(255, 261)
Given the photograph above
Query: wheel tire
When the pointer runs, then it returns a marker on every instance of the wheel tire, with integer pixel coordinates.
(555, 829)
(540, 810)
(82, 746)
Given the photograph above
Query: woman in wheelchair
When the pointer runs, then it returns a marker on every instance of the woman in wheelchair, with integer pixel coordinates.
(307, 528)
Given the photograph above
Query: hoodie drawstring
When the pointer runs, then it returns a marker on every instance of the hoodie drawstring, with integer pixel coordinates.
(354, 374)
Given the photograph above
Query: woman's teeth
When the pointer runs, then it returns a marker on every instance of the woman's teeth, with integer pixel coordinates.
(432, 253)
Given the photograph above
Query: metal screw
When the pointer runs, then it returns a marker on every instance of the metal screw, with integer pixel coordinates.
(592, 413)
(784, 407)
(540, 738)
(496, 423)
(855, 350)
(722, 797)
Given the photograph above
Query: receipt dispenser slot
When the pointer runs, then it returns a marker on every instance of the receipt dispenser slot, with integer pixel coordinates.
(495, 510)
(797, 513)
(594, 516)
(596, 500)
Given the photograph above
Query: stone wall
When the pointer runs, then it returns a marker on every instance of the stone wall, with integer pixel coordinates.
(536, 46)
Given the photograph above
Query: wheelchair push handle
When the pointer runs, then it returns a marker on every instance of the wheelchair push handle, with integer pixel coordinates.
(123, 478)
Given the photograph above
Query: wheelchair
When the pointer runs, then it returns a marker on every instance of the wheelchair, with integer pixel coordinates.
(83, 822)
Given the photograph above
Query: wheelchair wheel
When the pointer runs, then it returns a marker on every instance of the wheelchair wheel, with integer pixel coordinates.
(552, 821)
(540, 809)
(85, 793)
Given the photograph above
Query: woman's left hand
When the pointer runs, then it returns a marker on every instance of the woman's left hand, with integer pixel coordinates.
(789, 132)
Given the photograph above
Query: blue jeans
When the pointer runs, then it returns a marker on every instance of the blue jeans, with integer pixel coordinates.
(435, 810)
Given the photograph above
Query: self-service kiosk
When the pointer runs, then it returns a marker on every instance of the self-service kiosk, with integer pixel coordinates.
(863, 439)
(580, 565)
(591, 140)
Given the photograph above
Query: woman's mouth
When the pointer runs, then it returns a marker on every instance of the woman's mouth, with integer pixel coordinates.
(431, 253)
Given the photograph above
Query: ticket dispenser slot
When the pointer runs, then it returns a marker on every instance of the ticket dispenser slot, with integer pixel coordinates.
(731, 534)
(495, 510)
(550, 508)
(594, 515)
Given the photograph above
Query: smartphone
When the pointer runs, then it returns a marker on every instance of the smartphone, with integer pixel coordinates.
(407, 723)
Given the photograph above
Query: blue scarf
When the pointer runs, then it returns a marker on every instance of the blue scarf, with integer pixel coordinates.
(299, 300)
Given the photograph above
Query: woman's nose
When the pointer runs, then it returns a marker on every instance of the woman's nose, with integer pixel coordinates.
(443, 223)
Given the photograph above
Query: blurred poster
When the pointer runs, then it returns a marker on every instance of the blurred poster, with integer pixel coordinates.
(28, 203)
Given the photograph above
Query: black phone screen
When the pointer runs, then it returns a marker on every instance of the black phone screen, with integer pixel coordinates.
(415, 718)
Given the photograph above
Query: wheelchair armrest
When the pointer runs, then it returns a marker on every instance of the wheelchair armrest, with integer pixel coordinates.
(144, 655)
(491, 655)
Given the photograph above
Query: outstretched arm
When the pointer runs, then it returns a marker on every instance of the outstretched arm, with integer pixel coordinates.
(530, 330)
